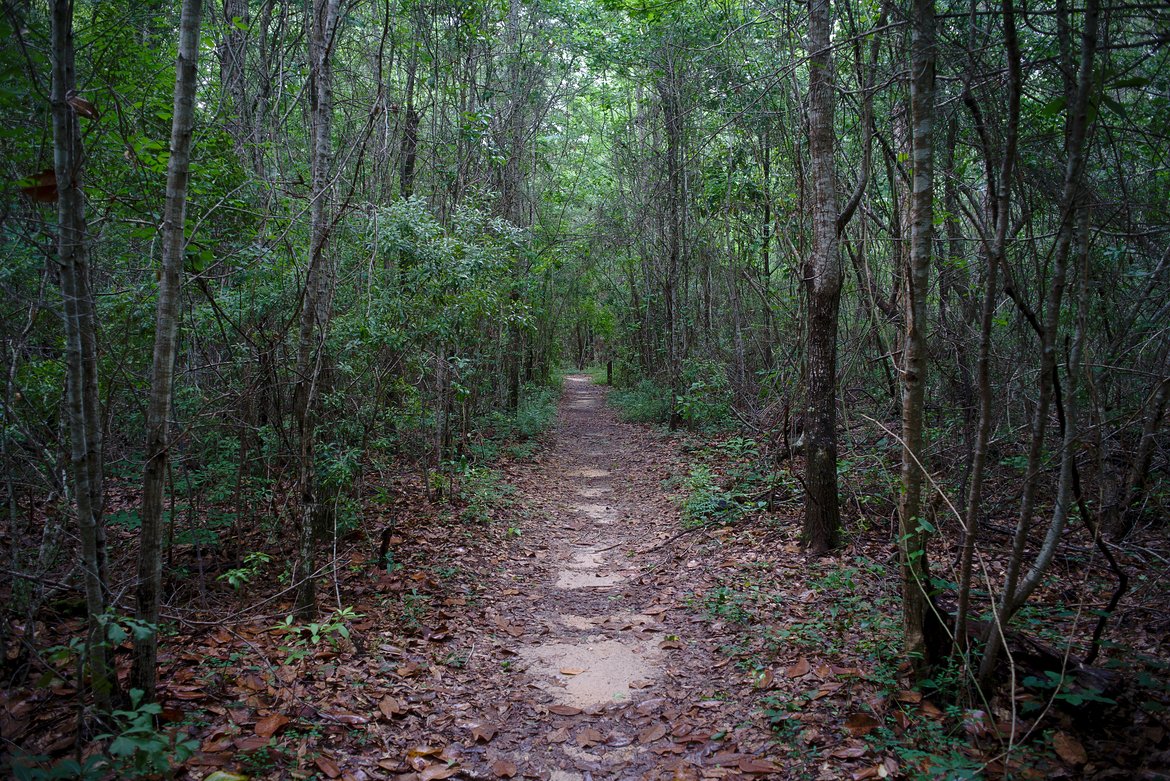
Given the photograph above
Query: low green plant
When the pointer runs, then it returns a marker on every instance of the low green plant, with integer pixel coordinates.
(416, 605)
(241, 576)
(705, 503)
(138, 747)
(304, 638)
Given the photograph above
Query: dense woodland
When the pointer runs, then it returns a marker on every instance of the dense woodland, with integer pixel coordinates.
(264, 260)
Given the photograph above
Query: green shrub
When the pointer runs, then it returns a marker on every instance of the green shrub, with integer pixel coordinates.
(646, 402)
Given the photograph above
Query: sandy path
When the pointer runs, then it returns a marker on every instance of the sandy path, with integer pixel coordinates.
(590, 663)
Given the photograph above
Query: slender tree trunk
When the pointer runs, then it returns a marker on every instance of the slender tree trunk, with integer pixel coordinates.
(81, 383)
(822, 280)
(166, 331)
(1016, 591)
(317, 304)
(672, 121)
(409, 128)
(914, 532)
(998, 216)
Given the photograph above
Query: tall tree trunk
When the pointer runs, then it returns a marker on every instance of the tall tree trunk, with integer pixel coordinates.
(232, 59)
(917, 616)
(80, 327)
(1015, 590)
(997, 211)
(672, 122)
(409, 146)
(822, 280)
(317, 303)
(166, 331)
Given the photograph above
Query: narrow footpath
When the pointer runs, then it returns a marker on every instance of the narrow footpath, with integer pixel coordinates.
(589, 660)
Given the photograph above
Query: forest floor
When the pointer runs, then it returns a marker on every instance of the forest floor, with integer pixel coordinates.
(564, 621)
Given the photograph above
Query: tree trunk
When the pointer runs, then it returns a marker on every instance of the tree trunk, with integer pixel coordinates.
(317, 303)
(165, 340)
(822, 280)
(81, 383)
(1015, 592)
(997, 211)
(917, 617)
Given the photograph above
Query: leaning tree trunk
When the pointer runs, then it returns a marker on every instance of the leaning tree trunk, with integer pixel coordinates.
(80, 329)
(317, 303)
(822, 281)
(166, 332)
(998, 210)
(1018, 587)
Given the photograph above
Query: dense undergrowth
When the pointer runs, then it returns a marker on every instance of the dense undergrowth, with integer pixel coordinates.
(799, 626)
(231, 580)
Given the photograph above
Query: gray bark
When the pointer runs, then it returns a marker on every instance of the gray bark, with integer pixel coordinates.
(166, 333)
(822, 281)
(81, 387)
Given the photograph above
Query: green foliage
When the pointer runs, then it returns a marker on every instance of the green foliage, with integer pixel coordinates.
(705, 504)
(139, 748)
(646, 402)
(706, 400)
(303, 639)
(241, 576)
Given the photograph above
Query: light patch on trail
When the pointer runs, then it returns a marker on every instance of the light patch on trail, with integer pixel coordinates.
(565, 775)
(576, 578)
(586, 559)
(589, 472)
(577, 622)
(609, 667)
(593, 493)
(602, 513)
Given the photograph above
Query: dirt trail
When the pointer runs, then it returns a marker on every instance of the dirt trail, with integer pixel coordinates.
(589, 663)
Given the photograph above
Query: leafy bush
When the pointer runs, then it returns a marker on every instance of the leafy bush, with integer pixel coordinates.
(646, 402)
(706, 402)
(706, 503)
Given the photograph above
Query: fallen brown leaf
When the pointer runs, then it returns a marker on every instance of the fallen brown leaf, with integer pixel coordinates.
(860, 724)
(755, 766)
(504, 768)
(564, 710)
(438, 771)
(589, 737)
(1069, 748)
(801, 668)
(270, 725)
(390, 706)
(652, 733)
(484, 732)
(763, 679)
(327, 766)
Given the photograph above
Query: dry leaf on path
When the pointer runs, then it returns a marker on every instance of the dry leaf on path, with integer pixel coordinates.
(652, 733)
(327, 766)
(564, 710)
(801, 668)
(860, 724)
(484, 732)
(504, 768)
(390, 706)
(757, 766)
(435, 772)
(572, 670)
(589, 737)
(1069, 748)
(270, 725)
